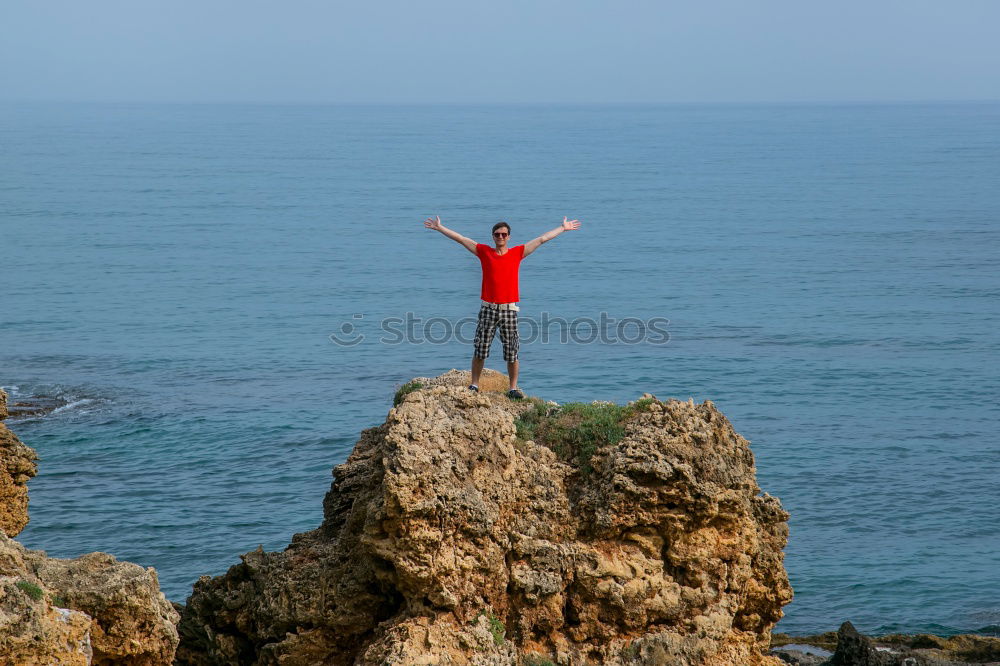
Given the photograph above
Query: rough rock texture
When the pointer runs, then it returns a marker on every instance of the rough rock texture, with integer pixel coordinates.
(17, 465)
(853, 649)
(447, 540)
(3, 404)
(37, 633)
(92, 609)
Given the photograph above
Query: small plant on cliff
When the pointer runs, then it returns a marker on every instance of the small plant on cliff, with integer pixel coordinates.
(31, 590)
(404, 390)
(498, 630)
(495, 626)
(640, 405)
(530, 418)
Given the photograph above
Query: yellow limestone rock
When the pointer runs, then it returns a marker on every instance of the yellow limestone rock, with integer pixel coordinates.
(449, 540)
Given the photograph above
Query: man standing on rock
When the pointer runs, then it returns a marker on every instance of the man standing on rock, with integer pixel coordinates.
(499, 293)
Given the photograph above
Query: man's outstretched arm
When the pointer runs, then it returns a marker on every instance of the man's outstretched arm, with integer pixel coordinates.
(435, 224)
(567, 225)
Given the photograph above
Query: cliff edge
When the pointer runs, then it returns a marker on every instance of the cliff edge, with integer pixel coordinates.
(472, 529)
(17, 465)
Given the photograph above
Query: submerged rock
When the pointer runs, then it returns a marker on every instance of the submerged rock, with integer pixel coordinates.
(35, 406)
(806, 657)
(853, 649)
(603, 534)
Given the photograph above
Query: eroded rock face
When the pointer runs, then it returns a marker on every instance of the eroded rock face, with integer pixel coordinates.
(89, 610)
(447, 539)
(37, 633)
(17, 465)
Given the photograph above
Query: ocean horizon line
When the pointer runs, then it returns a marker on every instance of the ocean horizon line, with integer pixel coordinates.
(509, 104)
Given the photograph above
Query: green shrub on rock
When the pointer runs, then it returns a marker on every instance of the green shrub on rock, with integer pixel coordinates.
(576, 430)
(31, 590)
(405, 390)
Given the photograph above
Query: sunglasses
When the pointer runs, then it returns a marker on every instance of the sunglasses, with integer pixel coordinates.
(500, 234)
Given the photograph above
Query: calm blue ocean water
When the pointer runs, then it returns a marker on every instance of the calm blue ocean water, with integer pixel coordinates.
(830, 273)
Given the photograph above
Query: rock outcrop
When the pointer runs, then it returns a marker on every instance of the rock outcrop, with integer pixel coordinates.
(470, 529)
(89, 610)
(17, 465)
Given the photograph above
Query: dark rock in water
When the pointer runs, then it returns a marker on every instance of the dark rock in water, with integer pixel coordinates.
(35, 406)
(853, 649)
(901, 649)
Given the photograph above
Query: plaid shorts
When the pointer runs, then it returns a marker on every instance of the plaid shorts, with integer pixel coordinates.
(490, 319)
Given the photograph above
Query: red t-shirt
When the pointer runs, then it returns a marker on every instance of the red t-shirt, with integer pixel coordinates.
(499, 273)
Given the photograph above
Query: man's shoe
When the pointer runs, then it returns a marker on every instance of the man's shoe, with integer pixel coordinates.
(515, 394)
(473, 388)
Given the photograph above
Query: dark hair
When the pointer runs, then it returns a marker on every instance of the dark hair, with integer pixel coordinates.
(501, 224)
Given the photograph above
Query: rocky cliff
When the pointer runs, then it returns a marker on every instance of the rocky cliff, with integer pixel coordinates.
(89, 610)
(17, 465)
(470, 529)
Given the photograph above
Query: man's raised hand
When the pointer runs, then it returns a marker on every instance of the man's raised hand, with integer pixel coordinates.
(435, 224)
(569, 224)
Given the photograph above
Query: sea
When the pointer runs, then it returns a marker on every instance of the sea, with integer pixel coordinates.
(226, 295)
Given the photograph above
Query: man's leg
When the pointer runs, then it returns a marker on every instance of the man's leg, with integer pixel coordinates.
(477, 368)
(512, 373)
(511, 343)
(486, 327)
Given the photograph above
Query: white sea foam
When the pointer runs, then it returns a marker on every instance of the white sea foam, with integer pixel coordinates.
(72, 405)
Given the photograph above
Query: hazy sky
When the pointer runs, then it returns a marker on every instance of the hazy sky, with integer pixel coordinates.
(499, 51)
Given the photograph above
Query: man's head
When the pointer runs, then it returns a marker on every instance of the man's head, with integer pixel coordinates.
(501, 232)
